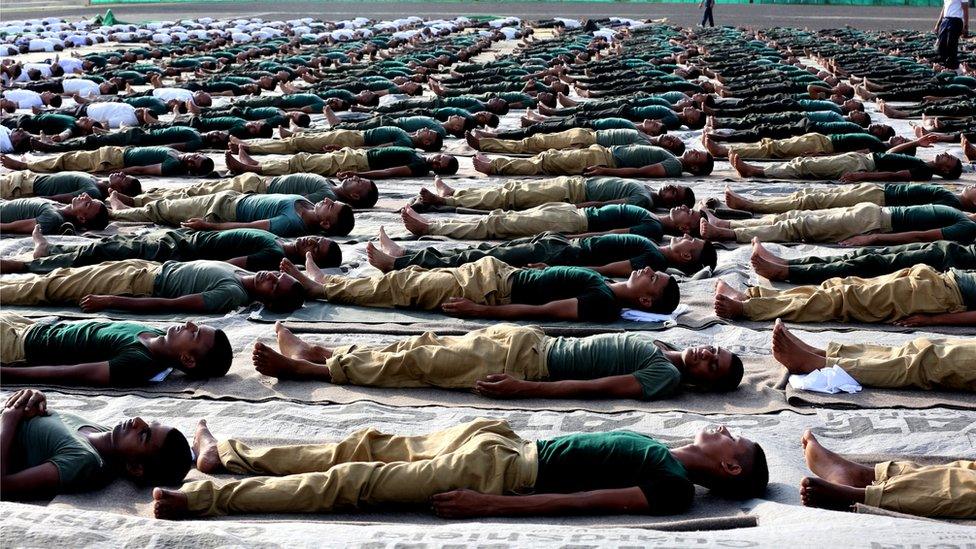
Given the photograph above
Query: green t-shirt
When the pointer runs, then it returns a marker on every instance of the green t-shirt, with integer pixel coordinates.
(596, 302)
(301, 100)
(262, 248)
(312, 186)
(819, 105)
(44, 212)
(967, 287)
(190, 137)
(832, 128)
(414, 123)
(824, 116)
(610, 248)
(920, 171)
(608, 355)
(149, 156)
(387, 134)
(850, 142)
(638, 156)
(279, 209)
(73, 183)
(624, 216)
(618, 459)
(55, 438)
(611, 138)
(954, 224)
(612, 124)
(662, 114)
(129, 361)
(48, 123)
(155, 105)
(218, 282)
(918, 194)
(381, 158)
(605, 189)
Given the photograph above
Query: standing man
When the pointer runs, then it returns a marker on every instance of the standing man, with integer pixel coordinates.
(707, 16)
(953, 23)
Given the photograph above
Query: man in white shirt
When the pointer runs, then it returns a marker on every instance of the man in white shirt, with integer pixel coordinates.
(953, 23)
(28, 99)
(115, 115)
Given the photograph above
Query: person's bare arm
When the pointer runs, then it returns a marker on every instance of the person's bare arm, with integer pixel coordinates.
(90, 373)
(36, 482)
(652, 170)
(25, 226)
(238, 261)
(965, 318)
(909, 237)
(154, 169)
(198, 224)
(611, 231)
(564, 309)
(64, 198)
(901, 175)
(182, 147)
(597, 203)
(468, 503)
(617, 268)
(192, 303)
(396, 171)
(506, 386)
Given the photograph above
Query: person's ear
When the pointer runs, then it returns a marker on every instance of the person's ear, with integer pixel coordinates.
(188, 361)
(686, 257)
(355, 195)
(134, 470)
(731, 468)
(645, 302)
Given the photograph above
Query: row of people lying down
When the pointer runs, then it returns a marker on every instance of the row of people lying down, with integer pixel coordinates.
(480, 468)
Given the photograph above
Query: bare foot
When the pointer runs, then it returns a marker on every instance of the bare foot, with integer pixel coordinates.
(235, 165)
(443, 189)
(378, 258)
(115, 201)
(788, 351)
(312, 269)
(714, 148)
(246, 158)
(768, 269)
(169, 504)
(482, 163)
(806, 346)
(473, 141)
(711, 232)
(759, 249)
(968, 149)
(721, 287)
(205, 447)
(727, 307)
(833, 468)
(429, 198)
(414, 222)
(737, 201)
(12, 163)
(715, 220)
(271, 363)
(41, 246)
(292, 346)
(743, 169)
(817, 492)
(285, 133)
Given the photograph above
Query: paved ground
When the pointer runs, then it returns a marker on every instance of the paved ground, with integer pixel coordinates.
(766, 15)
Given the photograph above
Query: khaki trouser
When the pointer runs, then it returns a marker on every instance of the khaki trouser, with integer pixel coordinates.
(133, 277)
(452, 362)
(17, 184)
(821, 167)
(822, 199)
(100, 160)
(540, 142)
(323, 164)
(306, 142)
(220, 207)
(557, 217)
(521, 195)
(793, 147)
(831, 225)
(919, 289)
(922, 363)
(930, 491)
(369, 468)
(244, 183)
(13, 334)
(486, 281)
(555, 162)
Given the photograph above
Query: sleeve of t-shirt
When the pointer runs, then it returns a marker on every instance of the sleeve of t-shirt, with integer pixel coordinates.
(649, 252)
(418, 166)
(76, 467)
(667, 494)
(963, 230)
(131, 368)
(50, 221)
(658, 378)
(225, 296)
(647, 226)
(265, 259)
(640, 198)
(172, 166)
(895, 163)
(672, 167)
(598, 306)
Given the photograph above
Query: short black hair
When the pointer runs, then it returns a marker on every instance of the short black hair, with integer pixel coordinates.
(689, 199)
(492, 121)
(216, 362)
(708, 257)
(955, 172)
(55, 101)
(344, 223)
(732, 377)
(677, 146)
(286, 303)
(206, 167)
(170, 465)
(699, 123)
(450, 169)
(131, 186)
(669, 299)
(265, 131)
(705, 167)
(368, 201)
(751, 482)
(333, 258)
(303, 120)
(100, 221)
(436, 145)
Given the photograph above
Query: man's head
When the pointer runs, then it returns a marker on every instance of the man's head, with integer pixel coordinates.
(51, 98)
(325, 252)
(428, 140)
(335, 218)
(279, 292)
(216, 139)
(202, 99)
(151, 454)
(711, 368)
(652, 291)
(443, 164)
(693, 254)
(85, 124)
(485, 118)
(968, 198)
(360, 192)
(651, 127)
(685, 220)
(88, 212)
(698, 163)
(672, 144)
(860, 118)
(883, 132)
(947, 166)
(851, 105)
(197, 164)
(20, 140)
(124, 184)
(259, 128)
(457, 125)
(670, 195)
(201, 351)
(497, 106)
(108, 88)
(736, 466)
(693, 118)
